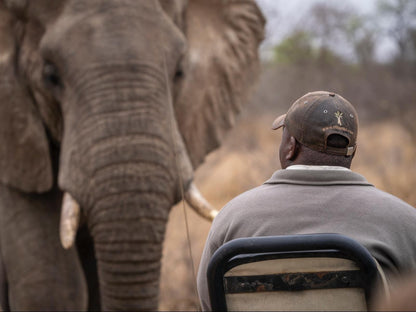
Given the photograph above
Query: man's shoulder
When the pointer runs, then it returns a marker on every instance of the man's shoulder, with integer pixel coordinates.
(391, 200)
(248, 196)
(245, 202)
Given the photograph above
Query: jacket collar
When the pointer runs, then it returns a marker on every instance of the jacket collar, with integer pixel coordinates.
(308, 167)
(317, 177)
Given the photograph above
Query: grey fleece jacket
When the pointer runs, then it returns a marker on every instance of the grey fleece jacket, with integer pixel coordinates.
(318, 201)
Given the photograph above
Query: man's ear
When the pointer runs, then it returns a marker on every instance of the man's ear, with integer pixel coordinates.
(355, 151)
(292, 149)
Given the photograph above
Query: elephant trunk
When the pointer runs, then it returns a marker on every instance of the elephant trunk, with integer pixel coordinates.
(128, 250)
(127, 222)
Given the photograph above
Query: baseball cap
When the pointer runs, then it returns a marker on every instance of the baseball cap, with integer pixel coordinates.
(317, 115)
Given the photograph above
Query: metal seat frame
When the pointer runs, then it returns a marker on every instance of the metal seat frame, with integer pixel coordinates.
(248, 250)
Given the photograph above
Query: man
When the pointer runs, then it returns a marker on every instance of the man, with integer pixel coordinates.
(316, 192)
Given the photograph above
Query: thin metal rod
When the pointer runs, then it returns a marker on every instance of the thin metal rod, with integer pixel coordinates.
(170, 107)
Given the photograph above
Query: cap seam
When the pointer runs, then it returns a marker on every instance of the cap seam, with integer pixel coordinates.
(304, 117)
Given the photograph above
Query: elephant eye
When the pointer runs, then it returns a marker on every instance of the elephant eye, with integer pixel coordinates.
(51, 75)
(179, 72)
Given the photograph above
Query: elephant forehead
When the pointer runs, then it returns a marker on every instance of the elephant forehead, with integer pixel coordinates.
(120, 30)
(94, 17)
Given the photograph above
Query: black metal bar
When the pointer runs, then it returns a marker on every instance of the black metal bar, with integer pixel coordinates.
(287, 243)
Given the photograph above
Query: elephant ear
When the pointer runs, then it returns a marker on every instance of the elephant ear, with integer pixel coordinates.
(220, 67)
(25, 161)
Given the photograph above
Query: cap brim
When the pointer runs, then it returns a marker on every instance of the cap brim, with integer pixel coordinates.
(279, 122)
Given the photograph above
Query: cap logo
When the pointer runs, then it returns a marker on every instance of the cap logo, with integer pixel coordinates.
(338, 115)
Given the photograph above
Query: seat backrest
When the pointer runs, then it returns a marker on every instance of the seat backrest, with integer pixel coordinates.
(315, 272)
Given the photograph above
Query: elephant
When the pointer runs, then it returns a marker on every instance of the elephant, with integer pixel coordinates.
(106, 109)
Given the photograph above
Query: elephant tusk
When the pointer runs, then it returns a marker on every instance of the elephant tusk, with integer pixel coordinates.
(194, 198)
(70, 214)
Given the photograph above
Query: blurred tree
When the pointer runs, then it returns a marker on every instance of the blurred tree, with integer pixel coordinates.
(294, 49)
(326, 21)
(400, 26)
(361, 37)
(330, 33)
(298, 49)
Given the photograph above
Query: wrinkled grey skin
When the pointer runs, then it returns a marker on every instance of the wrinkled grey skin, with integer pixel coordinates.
(85, 108)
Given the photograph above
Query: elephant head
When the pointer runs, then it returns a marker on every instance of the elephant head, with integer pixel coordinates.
(114, 103)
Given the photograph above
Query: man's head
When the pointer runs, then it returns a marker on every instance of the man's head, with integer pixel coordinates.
(320, 128)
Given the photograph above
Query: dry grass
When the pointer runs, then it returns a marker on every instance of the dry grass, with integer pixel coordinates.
(386, 156)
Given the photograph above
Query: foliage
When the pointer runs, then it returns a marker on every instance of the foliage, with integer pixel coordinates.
(297, 48)
(329, 26)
